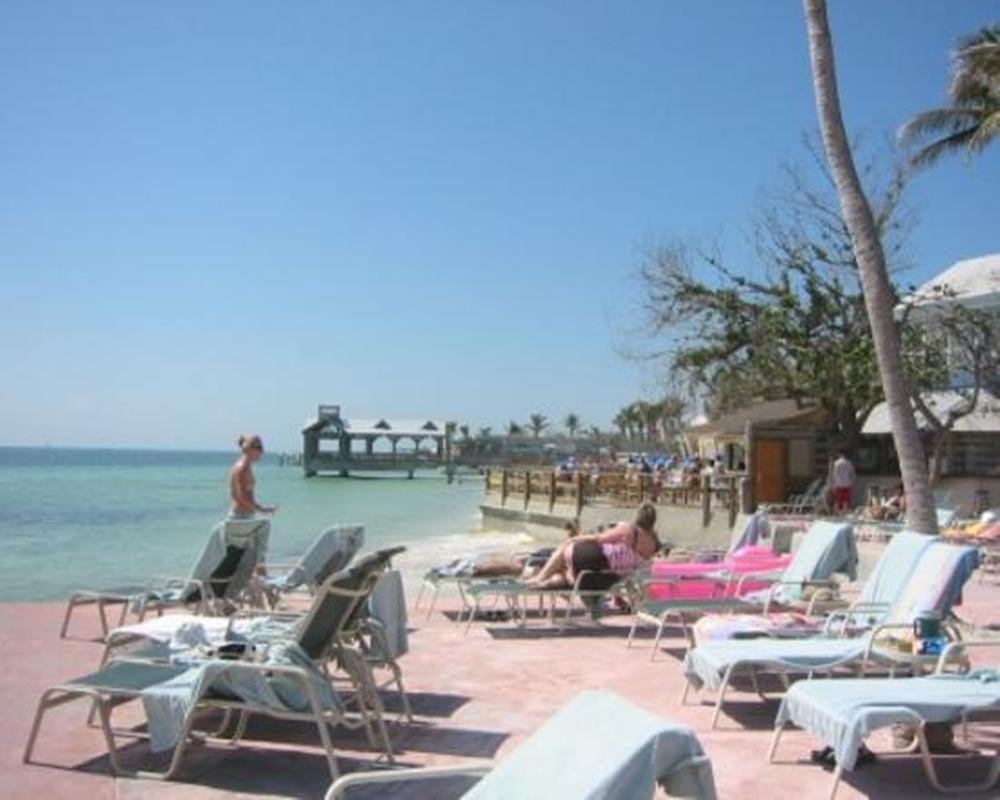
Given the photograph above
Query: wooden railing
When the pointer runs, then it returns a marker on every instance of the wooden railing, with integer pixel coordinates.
(523, 486)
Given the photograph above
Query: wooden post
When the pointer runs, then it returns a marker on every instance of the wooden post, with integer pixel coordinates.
(579, 494)
(488, 481)
(642, 488)
(552, 490)
(503, 488)
(527, 487)
(750, 496)
(706, 501)
(734, 502)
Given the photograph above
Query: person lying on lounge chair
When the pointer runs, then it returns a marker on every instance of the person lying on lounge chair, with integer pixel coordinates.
(619, 549)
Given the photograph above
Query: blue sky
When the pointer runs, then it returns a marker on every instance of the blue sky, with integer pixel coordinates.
(215, 216)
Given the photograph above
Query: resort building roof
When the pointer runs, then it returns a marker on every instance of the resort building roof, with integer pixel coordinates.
(984, 419)
(769, 412)
(974, 282)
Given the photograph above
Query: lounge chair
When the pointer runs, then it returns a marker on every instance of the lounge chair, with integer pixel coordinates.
(879, 592)
(811, 501)
(371, 633)
(590, 589)
(598, 745)
(935, 584)
(828, 547)
(329, 552)
(220, 576)
(287, 678)
(843, 713)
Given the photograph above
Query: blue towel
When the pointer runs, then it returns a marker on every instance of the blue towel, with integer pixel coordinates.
(167, 704)
(599, 745)
(387, 607)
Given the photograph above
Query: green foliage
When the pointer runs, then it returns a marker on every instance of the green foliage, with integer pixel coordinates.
(792, 323)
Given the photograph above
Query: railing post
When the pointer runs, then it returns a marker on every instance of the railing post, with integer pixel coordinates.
(552, 490)
(706, 500)
(527, 487)
(503, 488)
(734, 502)
(642, 488)
(579, 494)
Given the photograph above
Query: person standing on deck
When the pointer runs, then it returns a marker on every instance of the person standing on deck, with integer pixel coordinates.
(242, 482)
(842, 477)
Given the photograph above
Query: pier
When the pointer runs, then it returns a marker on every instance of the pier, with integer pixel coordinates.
(336, 445)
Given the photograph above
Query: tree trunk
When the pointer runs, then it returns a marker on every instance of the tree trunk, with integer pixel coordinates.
(920, 513)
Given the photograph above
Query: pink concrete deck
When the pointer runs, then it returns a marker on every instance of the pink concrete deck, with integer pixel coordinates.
(476, 697)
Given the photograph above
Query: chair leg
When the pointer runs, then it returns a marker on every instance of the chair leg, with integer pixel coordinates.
(722, 695)
(631, 633)
(838, 773)
(659, 635)
(104, 618)
(780, 729)
(70, 605)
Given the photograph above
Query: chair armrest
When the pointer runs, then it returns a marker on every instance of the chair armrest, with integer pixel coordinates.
(340, 786)
(955, 647)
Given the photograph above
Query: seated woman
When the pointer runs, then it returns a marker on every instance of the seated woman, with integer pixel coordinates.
(619, 549)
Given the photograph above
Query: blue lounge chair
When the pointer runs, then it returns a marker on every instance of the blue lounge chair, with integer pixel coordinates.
(935, 584)
(598, 745)
(843, 712)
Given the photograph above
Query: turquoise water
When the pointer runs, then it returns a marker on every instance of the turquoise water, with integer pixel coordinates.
(77, 518)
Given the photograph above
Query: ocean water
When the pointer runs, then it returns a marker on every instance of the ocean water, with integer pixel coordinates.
(89, 518)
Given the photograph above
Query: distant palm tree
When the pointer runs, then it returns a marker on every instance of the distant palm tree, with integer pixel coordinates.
(484, 433)
(671, 416)
(595, 434)
(572, 423)
(972, 120)
(513, 429)
(537, 423)
(621, 422)
(464, 430)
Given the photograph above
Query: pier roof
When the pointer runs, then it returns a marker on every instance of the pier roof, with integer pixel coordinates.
(379, 426)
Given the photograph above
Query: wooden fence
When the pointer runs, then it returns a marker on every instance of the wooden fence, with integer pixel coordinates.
(522, 486)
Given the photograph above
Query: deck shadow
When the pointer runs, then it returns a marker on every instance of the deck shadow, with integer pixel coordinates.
(424, 704)
(448, 741)
(570, 632)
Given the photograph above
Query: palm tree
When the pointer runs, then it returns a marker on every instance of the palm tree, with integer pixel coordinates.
(572, 423)
(513, 429)
(464, 430)
(595, 434)
(879, 297)
(972, 119)
(621, 422)
(537, 423)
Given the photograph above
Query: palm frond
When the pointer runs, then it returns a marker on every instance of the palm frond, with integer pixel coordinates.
(940, 120)
(987, 130)
(949, 144)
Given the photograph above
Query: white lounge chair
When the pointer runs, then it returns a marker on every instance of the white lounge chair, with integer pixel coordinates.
(843, 713)
(598, 745)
